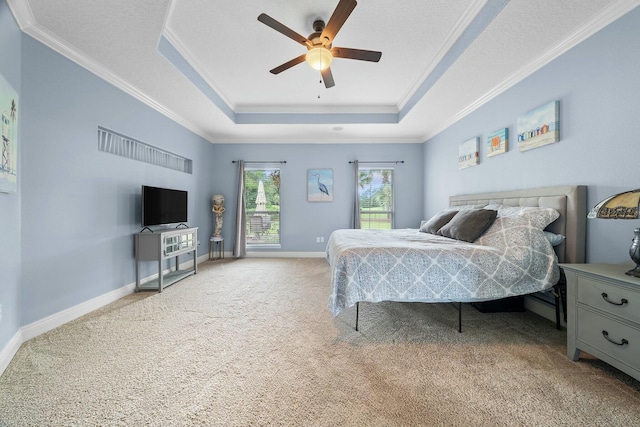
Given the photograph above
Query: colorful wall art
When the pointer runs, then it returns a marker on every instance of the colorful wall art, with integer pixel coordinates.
(539, 127)
(468, 153)
(497, 142)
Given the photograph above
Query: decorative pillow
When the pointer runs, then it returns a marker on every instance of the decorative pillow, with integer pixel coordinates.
(538, 216)
(518, 236)
(437, 222)
(464, 207)
(468, 225)
(554, 239)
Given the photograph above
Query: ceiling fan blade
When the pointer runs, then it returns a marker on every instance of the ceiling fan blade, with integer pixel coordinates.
(339, 16)
(289, 64)
(359, 54)
(327, 78)
(281, 28)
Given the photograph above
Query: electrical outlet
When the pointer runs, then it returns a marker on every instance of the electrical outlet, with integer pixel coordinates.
(317, 240)
(322, 239)
(198, 242)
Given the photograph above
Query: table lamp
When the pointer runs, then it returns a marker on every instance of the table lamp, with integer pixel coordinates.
(622, 206)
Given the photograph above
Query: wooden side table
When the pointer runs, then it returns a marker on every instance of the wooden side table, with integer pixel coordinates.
(216, 247)
(603, 314)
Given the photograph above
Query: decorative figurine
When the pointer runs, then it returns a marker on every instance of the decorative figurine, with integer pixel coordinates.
(218, 209)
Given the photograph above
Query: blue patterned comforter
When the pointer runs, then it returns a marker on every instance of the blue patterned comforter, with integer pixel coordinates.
(511, 258)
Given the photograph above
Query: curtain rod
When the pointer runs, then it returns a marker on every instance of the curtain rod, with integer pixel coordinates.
(260, 161)
(383, 161)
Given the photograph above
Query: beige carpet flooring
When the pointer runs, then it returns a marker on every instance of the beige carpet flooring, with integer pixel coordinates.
(251, 342)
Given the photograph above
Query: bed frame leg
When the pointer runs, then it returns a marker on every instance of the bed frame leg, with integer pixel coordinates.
(357, 314)
(460, 317)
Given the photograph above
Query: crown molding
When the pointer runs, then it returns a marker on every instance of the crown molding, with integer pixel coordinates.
(27, 23)
(22, 12)
(328, 140)
(607, 16)
(188, 56)
(458, 29)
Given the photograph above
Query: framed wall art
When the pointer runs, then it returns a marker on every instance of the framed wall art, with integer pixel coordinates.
(497, 142)
(468, 153)
(9, 143)
(320, 185)
(539, 127)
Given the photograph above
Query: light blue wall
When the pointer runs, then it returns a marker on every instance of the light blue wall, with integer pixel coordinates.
(10, 41)
(68, 231)
(303, 221)
(80, 206)
(598, 88)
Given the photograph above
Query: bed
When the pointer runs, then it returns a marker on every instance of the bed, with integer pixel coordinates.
(513, 255)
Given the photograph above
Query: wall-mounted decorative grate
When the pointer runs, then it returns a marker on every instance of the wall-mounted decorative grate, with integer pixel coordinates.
(121, 145)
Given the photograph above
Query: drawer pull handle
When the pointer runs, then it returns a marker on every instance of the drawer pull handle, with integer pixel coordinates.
(605, 297)
(606, 335)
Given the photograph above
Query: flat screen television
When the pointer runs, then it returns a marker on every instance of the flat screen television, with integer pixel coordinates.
(161, 206)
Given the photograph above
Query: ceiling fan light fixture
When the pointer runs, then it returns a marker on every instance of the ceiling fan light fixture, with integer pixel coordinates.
(319, 58)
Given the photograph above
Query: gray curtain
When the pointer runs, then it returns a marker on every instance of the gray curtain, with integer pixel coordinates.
(356, 202)
(240, 249)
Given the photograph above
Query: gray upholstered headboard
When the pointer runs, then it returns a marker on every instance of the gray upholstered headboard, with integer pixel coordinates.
(570, 201)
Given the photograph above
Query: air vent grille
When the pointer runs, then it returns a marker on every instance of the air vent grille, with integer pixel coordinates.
(123, 146)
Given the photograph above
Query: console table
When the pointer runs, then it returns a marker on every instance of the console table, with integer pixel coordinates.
(165, 244)
(603, 314)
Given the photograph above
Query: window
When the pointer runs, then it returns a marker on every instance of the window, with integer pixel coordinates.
(376, 198)
(262, 199)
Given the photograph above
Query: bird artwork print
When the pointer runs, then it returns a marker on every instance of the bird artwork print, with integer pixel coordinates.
(320, 186)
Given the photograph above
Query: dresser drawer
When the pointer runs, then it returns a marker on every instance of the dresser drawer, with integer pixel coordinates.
(590, 292)
(590, 331)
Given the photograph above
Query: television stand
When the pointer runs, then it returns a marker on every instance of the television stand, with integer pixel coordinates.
(162, 245)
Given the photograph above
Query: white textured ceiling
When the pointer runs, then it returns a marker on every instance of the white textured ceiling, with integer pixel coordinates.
(205, 63)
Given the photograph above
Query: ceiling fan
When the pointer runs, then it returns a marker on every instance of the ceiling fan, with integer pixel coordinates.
(320, 52)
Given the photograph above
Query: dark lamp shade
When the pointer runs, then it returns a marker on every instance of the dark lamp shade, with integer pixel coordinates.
(619, 206)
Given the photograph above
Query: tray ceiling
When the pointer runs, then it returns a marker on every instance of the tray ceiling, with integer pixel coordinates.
(205, 63)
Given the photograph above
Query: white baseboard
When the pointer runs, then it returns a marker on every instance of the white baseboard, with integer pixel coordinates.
(10, 350)
(274, 254)
(41, 326)
(48, 323)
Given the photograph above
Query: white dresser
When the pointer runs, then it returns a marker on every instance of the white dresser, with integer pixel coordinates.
(603, 314)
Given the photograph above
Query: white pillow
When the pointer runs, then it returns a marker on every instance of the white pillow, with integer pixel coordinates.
(538, 216)
(465, 207)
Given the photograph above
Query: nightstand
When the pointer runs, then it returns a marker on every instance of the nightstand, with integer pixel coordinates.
(603, 314)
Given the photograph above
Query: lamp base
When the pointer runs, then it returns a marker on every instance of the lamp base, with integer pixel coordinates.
(634, 253)
(635, 272)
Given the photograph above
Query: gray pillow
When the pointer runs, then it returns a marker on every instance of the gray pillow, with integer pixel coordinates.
(468, 225)
(437, 221)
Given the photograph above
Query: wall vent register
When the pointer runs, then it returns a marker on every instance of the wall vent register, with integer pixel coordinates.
(124, 146)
